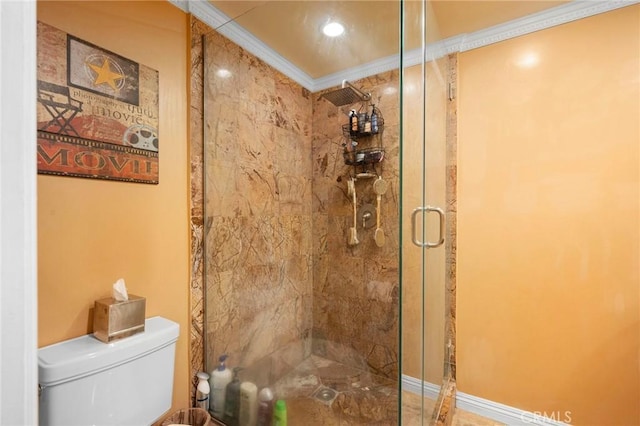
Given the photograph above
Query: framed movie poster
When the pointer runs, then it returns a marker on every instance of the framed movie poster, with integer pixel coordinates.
(97, 111)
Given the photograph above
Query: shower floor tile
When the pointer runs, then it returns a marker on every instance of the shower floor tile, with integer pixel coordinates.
(361, 398)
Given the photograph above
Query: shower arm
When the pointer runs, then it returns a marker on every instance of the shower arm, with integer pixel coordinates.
(365, 96)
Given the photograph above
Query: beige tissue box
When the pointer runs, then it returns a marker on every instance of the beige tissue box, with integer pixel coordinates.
(114, 320)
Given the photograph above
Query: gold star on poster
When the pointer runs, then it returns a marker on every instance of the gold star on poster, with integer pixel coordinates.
(104, 74)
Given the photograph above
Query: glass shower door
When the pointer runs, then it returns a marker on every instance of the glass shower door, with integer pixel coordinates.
(296, 305)
(426, 197)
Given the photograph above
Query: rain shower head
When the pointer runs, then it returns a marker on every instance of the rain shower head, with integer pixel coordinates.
(347, 95)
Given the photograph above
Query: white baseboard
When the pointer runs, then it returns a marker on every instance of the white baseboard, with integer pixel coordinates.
(492, 410)
(413, 385)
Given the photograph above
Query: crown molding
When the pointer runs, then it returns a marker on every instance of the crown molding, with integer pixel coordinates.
(559, 15)
(224, 25)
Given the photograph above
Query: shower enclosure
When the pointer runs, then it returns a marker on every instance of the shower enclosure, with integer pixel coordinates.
(332, 267)
(319, 281)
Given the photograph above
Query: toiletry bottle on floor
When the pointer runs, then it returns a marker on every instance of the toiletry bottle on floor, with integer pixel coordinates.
(232, 400)
(220, 378)
(265, 407)
(248, 404)
(202, 391)
(280, 413)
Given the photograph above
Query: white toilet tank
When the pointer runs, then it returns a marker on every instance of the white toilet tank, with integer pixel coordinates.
(127, 382)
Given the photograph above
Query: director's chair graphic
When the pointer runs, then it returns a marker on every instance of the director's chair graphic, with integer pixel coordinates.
(60, 105)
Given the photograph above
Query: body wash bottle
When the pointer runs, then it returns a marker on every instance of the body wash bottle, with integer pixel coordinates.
(220, 378)
(232, 400)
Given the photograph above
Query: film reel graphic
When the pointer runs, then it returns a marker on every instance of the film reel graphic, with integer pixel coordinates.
(141, 136)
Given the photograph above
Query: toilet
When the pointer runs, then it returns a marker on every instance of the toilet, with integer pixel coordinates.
(84, 381)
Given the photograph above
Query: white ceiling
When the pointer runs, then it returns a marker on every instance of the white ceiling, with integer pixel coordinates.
(287, 34)
(293, 28)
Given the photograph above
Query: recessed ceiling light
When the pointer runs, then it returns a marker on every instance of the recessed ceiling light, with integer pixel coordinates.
(333, 29)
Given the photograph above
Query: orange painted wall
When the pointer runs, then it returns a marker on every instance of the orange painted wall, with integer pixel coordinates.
(549, 221)
(91, 232)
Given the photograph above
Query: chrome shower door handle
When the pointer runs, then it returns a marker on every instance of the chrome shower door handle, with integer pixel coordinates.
(414, 237)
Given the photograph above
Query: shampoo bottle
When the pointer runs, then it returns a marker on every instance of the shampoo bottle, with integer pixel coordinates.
(248, 404)
(220, 378)
(202, 391)
(353, 122)
(265, 407)
(374, 119)
(232, 400)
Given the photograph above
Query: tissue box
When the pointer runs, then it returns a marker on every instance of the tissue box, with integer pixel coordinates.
(114, 320)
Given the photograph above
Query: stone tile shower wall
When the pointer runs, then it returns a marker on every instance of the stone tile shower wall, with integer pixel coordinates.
(258, 248)
(355, 288)
(276, 223)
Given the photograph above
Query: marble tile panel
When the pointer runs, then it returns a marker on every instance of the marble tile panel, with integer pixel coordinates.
(319, 202)
(337, 237)
(293, 106)
(222, 54)
(446, 405)
(344, 280)
(452, 199)
(327, 155)
(221, 123)
(294, 194)
(319, 236)
(273, 367)
(335, 319)
(296, 235)
(225, 243)
(291, 152)
(320, 316)
(257, 190)
(219, 298)
(374, 406)
(289, 357)
(197, 301)
(381, 358)
(261, 239)
(339, 203)
(343, 352)
(247, 340)
(255, 142)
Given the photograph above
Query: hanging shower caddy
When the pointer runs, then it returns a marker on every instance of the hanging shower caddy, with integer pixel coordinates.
(363, 142)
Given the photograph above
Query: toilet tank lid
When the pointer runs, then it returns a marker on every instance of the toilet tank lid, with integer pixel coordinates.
(86, 355)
